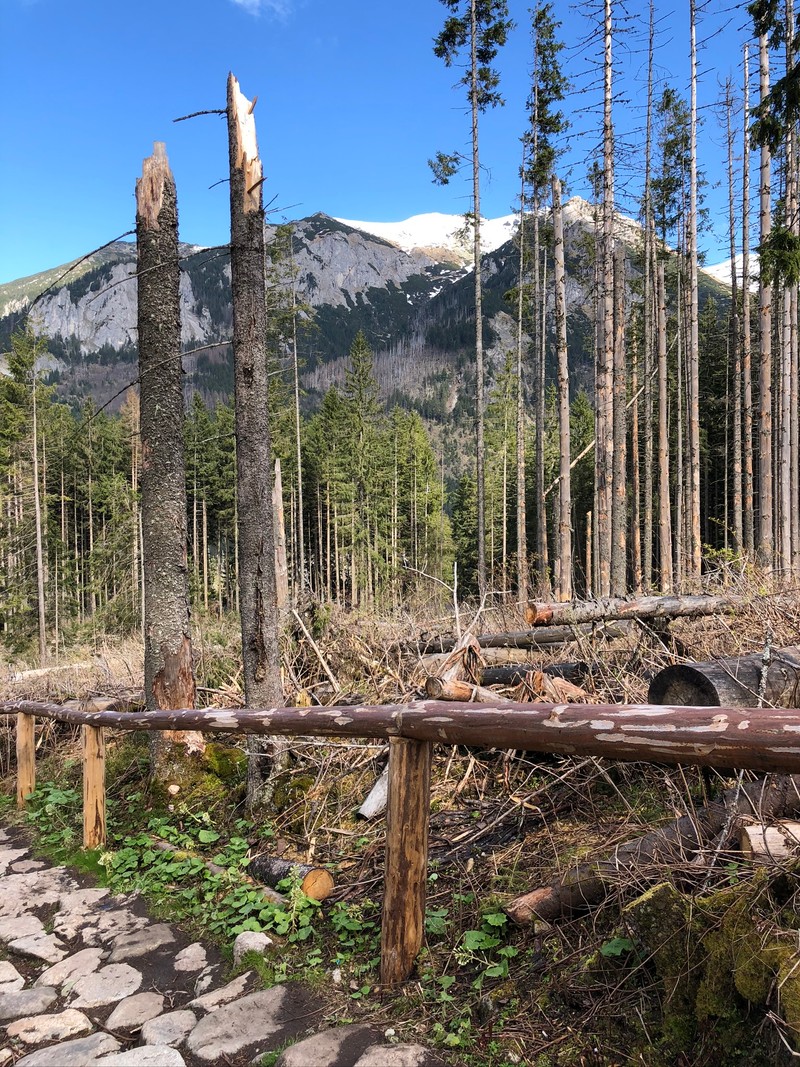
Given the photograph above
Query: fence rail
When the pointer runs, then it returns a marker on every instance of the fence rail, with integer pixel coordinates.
(761, 739)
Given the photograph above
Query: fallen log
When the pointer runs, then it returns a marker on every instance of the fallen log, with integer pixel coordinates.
(512, 675)
(440, 689)
(731, 682)
(214, 868)
(586, 884)
(545, 637)
(316, 882)
(761, 843)
(617, 608)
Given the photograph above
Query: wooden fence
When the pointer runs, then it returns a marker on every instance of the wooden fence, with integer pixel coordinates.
(760, 739)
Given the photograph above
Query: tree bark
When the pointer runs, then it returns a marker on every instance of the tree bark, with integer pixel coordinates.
(765, 474)
(168, 670)
(564, 480)
(257, 589)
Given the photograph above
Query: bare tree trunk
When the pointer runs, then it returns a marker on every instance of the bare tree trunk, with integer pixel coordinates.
(37, 517)
(664, 512)
(747, 369)
(649, 323)
(259, 614)
(733, 333)
(765, 455)
(564, 481)
(476, 254)
(168, 670)
(693, 557)
(603, 434)
(619, 495)
(522, 536)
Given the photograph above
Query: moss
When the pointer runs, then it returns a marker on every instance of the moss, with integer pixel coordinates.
(663, 922)
(229, 764)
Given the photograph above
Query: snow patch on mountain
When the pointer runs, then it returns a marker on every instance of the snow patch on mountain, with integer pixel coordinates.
(436, 230)
(721, 272)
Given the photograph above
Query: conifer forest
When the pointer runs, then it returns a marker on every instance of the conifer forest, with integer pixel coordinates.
(678, 464)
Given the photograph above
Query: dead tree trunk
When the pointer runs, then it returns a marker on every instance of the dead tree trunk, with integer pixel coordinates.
(734, 682)
(258, 595)
(646, 607)
(168, 671)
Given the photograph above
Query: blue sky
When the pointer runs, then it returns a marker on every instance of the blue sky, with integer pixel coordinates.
(351, 104)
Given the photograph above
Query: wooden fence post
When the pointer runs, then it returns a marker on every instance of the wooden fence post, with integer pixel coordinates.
(94, 787)
(26, 757)
(406, 864)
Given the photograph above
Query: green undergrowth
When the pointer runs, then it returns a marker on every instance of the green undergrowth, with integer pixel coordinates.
(334, 946)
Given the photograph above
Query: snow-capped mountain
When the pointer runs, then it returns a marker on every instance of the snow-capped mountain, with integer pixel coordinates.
(435, 231)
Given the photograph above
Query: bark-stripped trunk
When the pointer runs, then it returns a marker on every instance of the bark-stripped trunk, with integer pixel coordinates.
(564, 480)
(603, 434)
(747, 368)
(522, 536)
(765, 473)
(733, 334)
(257, 590)
(693, 555)
(664, 512)
(619, 435)
(476, 256)
(168, 671)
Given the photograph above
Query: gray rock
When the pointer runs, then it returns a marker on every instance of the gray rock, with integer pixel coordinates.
(26, 1002)
(223, 995)
(24, 866)
(114, 923)
(77, 1053)
(133, 1011)
(9, 856)
(192, 958)
(250, 941)
(205, 980)
(342, 1044)
(46, 947)
(39, 1029)
(77, 909)
(140, 942)
(66, 973)
(106, 986)
(145, 1056)
(396, 1056)
(6, 1057)
(169, 1029)
(10, 978)
(20, 926)
(253, 1020)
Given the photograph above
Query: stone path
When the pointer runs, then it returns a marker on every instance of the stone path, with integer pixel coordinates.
(89, 978)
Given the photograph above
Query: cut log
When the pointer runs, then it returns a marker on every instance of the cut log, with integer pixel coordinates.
(732, 682)
(316, 882)
(587, 884)
(439, 689)
(214, 868)
(646, 607)
(761, 843)
(375, 802)
(543, 637)
(538, 686)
